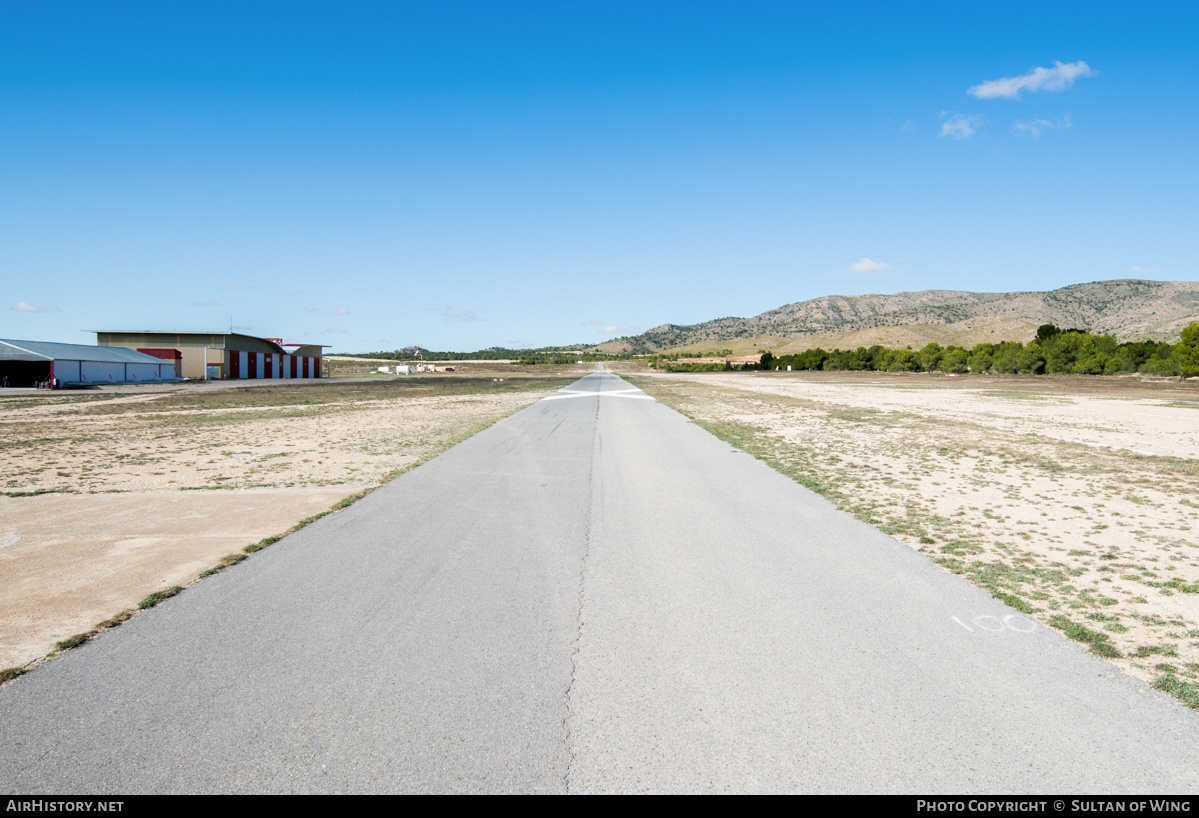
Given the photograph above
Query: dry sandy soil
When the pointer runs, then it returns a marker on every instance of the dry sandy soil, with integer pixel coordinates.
(1074, 499)
(107, 496)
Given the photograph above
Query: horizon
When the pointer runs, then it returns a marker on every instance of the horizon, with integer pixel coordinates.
(567, 344)
(462, 176)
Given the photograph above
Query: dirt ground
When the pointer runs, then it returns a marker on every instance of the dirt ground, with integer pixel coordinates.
(109, 495)
(1073, 499)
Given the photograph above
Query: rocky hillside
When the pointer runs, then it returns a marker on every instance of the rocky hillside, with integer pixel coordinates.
(1128, 308)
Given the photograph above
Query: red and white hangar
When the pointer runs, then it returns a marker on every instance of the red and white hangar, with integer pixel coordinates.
(221, 355)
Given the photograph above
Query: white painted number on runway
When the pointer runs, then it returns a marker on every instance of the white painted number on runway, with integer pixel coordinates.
(1011, 622)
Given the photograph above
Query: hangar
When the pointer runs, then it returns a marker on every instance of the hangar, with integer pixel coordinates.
(216, 355)
(53, 365)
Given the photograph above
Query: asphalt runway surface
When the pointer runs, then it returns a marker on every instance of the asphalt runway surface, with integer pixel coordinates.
(593, 595)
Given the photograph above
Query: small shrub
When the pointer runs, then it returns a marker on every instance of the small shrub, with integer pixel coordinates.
(1149, 650)
(116, 620)
(261, 544)
(223, 563)
(1014, 601)
(158, 596)
(73, 641)
(1099, 643)
(1187, 692)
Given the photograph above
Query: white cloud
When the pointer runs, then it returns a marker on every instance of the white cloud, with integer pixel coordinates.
(869, 267)
(612, 329)
(1033, 127)
(23, 307)
(1058, 78)
(228, 286)
(337, 329)
(1143, 270)
(960, 126)
(908, 126)
(339, 311)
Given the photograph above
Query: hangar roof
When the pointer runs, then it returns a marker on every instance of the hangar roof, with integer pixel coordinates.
(219, 340)
(51, 351)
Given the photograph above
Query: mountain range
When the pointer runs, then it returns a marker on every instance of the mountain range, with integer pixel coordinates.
(1129, 309)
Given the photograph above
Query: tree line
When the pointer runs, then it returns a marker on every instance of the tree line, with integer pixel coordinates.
(1053, 351)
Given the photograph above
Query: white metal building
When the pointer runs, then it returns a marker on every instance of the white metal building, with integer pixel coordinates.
(45, 363)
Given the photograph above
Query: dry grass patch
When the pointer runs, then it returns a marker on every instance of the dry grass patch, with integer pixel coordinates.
(321, 433)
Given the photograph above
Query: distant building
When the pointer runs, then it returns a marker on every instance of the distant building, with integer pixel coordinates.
(53, 365)
(216, 355)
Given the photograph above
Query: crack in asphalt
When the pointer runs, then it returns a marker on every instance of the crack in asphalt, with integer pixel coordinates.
(574, 648)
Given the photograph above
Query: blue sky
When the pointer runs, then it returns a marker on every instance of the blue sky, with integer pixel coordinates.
(463, 175)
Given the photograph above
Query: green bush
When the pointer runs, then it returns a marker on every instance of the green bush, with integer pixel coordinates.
(158, 596)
